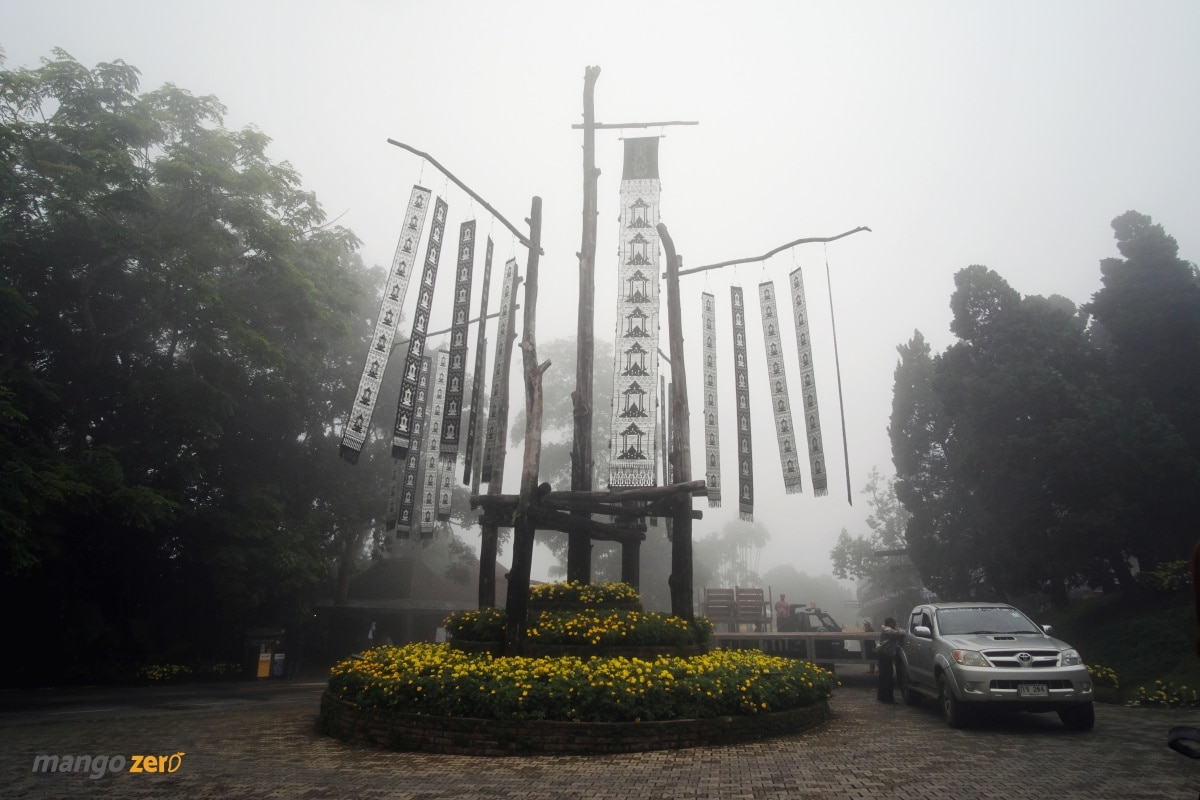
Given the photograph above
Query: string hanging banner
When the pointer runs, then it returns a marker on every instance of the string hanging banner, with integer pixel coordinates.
(402, 437)
(412, 462)
(742, 390)
(496, 425)
(632, 438)
(394, 291)
(456, 376)
(808, 386)
(781, 404)
(475, 414)
(712, 431)
(429, 447)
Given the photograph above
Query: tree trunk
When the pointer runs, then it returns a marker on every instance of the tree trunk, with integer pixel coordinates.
(681, 454)
(523, 533)
(489, 532)
(579, 546)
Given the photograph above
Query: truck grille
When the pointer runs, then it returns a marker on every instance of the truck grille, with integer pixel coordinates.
(1012, 685)
(1022, 659)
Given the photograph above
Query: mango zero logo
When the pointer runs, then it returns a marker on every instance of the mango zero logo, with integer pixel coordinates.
(170, 763)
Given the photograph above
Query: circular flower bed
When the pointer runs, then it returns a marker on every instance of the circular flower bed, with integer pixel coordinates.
(461, 698)
(439, 680)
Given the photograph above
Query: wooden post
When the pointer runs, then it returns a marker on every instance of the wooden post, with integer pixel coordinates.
(523, 530)
(681, 453)
(489, 533)
(579, 545)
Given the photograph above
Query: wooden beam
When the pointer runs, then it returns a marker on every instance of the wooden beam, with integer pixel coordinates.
(614, 125)
(767, 255)
(522, 238)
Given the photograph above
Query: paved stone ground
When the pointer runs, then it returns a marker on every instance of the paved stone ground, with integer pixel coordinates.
(261, 743)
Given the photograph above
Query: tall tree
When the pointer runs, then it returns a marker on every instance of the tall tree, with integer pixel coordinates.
(168, 374)
(860, 558)
(1028, 463)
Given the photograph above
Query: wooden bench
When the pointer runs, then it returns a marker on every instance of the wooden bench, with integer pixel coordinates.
(735, 607)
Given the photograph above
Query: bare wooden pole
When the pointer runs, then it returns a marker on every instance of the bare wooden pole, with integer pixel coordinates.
(524, 530)
(579, 545)
(489, 532)
(614, 125)
(520, 236)
(779, 249)
(680, 581)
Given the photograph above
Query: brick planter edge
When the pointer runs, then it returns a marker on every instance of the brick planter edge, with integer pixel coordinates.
(391, 730)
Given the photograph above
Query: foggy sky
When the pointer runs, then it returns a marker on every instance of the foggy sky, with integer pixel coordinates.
(1004, 134)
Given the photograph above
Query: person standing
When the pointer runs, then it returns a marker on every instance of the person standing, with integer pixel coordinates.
(890, 638)
(781, 611)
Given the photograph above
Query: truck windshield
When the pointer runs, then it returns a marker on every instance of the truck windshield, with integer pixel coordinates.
(953, 621)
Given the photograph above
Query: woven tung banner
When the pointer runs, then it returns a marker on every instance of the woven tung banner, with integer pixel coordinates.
(742, 391)
(808, 386)
(358, 423)
(712, 431)
(475, 415)
(456, 377)
(402, 437)
(435, 460)
(632, 436)
(496, 434)
(781, 404)
(412, 462)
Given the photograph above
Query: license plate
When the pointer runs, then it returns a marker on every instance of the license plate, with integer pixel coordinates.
(1032, 690)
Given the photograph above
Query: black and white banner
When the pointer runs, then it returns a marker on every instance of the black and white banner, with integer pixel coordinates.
(742, 392)
(476, 411)
(632, 436)
(808, 386)
(496, 434)
(456, 377)
(411, 478)
(781, 404)
(402, 434)
(359, 421)
(712, 431)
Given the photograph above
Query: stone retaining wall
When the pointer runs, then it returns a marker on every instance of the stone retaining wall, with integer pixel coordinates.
(461, 736)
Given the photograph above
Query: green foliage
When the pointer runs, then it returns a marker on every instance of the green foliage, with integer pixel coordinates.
(1140, 637)
(583, 615)
(589, 595)
(1032, 455)
(1167, 695)
(1104, 676)
(1168, 577)
(173, 348)
(439, 680)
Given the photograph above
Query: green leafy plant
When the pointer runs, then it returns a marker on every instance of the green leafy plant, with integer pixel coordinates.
(1103, 676)
(438, 679)
(1168, 576)
(1166, 694)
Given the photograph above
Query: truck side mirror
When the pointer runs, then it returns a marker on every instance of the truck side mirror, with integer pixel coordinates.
(922, 631)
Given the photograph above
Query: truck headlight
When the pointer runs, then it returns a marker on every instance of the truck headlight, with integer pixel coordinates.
(969, 658)
(1070, 658)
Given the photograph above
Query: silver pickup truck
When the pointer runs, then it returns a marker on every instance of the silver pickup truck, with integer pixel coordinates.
(969, 656)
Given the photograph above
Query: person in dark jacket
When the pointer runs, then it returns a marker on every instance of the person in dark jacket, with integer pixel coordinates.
(890, 638)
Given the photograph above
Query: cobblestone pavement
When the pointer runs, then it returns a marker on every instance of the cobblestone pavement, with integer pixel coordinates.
(262, 744)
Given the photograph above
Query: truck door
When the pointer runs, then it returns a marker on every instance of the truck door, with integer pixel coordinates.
(918, 652)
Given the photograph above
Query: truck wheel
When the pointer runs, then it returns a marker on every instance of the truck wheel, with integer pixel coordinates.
(1078, 717)
(954, 712)
(911, 696)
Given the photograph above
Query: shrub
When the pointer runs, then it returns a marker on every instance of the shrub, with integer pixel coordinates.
(1167, 695)
(1167, 577)
(1103, 676)
(437, 679)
